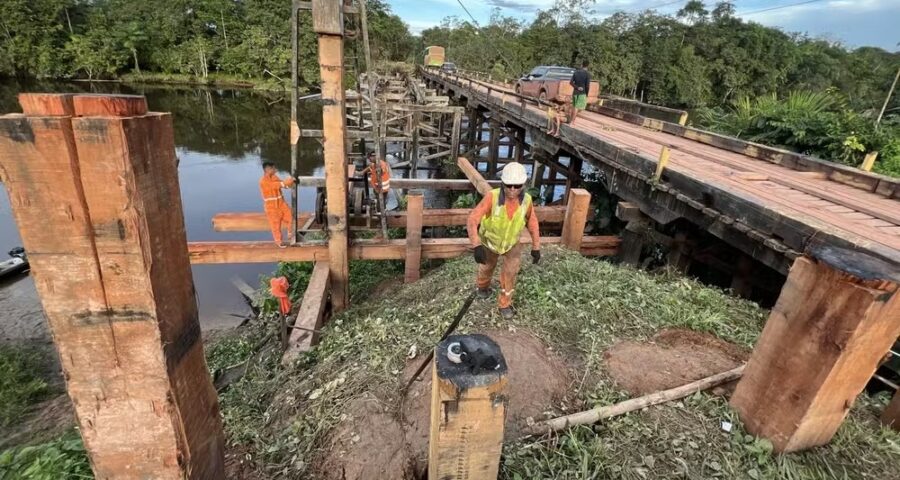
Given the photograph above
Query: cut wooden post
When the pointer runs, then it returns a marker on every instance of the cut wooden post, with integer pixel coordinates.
(869, 161)
(683, 118)
(311, 314)
(891, 415)
(483, 187)
(661, 163)
(414, 205)
(468, 410)
(837, 316)
(328, 23)
(576, 218)
(97, 203)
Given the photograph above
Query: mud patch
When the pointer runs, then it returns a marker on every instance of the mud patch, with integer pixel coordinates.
(538, 381)
(368, 444)
(672, 358)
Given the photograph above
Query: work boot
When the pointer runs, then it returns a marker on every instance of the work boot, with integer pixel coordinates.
(484, 293)
(507, 313)
(282, 245)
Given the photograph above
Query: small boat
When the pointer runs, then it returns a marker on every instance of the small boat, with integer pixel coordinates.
(17, 264)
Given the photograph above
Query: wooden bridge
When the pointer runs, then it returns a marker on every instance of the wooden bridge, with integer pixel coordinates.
(771, 204)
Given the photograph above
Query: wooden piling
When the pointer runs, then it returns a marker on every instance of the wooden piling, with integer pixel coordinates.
(493, 149)
(576, 218)
(468, 411)
(310, 315)
(97, 202)
(414, 207)
(836, 318)
(328, 24)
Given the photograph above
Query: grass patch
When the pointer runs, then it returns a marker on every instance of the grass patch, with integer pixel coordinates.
(63, 458)
(20, 385)
(580, 307)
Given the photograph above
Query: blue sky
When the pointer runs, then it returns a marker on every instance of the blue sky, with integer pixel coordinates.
(852, 22)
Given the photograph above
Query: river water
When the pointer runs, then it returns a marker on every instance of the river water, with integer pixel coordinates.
(222, 137)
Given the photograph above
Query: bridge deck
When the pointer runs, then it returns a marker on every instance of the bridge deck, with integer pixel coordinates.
(862, 219)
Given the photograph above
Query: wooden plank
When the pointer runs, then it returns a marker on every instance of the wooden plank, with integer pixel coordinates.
(98, 206)
(576, 218)
(310, 315)
(415, 202)
(257, 221)
(468, 412)
(331, 70)
(474, 176)
(432, 248)
(890, 417)
(47, 104)
(97, 105)
(836, 318)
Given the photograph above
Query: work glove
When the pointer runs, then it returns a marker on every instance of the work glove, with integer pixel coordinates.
(480, 255)
(535, 256)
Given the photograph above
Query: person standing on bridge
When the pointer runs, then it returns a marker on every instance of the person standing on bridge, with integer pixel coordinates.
(581, 84)
(494, 227)
(277, 210)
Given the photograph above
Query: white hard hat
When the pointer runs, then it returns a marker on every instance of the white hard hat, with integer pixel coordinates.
(514, 174)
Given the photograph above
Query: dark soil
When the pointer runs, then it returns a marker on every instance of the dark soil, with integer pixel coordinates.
(368, 444)
(674, 357)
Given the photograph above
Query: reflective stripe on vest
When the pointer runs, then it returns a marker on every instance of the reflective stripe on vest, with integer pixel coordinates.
(272, 199)
(498, 232)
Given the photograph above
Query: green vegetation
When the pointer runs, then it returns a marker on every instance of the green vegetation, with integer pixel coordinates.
(63, 458)
(579, 306)
(246, 41)
(816, 123)
(20, 385)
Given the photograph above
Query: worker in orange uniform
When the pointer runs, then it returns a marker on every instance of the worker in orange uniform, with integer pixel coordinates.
(494, 227)
(277, 210)
(372, 171)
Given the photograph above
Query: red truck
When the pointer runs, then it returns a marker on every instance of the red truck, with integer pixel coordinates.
(551, 84)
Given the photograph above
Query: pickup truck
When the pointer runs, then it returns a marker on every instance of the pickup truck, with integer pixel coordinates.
(551, 84)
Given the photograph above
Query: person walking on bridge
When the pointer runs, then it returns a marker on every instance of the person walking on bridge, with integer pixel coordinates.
(494, 227)
(277, 210)
(581, 84)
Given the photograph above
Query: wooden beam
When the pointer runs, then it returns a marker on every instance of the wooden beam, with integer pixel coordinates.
(257, 221)
(432, 248)
(468, 412)
(576, 218)
(483, 187)
(408, 183)
(415, 202)
(97, 203)
(310, 315)
(890, 417)
(836, 318)
(327, 19)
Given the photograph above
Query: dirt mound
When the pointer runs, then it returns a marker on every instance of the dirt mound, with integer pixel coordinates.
(674, 357)
(367, 444)
(538, 380)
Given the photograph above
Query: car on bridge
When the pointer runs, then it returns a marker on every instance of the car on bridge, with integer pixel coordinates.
(551, 84)
(448, 67)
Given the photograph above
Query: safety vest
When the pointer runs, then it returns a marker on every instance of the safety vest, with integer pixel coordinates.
(498, 232)
(385, 177)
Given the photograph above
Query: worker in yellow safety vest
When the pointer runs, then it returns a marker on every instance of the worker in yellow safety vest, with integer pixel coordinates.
(494, 227)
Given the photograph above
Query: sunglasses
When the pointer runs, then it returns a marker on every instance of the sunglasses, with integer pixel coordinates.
(513, 187)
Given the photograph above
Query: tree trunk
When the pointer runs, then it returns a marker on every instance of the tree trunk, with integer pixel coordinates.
(137, 66)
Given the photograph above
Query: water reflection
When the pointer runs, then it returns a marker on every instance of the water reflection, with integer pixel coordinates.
(222, 137)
